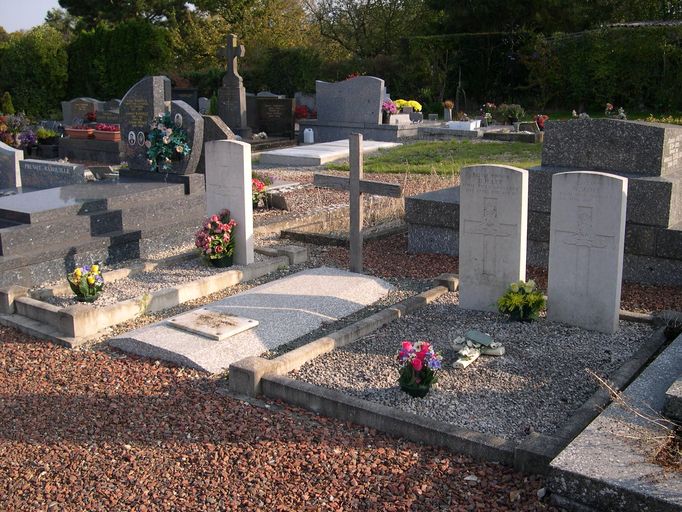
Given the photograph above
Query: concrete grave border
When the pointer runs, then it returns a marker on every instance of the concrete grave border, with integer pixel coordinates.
(74, 325)
(258, 376)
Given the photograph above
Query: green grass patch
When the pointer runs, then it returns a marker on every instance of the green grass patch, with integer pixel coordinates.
(447, 157)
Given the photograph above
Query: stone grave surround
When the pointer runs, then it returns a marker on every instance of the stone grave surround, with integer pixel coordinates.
(492, 226)
(10, 174)
(648, 154)
(587, 235)
(352, 106)
(145, 100)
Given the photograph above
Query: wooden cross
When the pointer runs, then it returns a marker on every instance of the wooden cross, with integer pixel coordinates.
(357, 186)
(232, 52)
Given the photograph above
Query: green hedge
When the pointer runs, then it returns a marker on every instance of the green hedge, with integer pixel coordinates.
(105, 62)
(33, 68)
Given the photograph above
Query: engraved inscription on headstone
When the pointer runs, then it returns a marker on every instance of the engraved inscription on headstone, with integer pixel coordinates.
(492, 242)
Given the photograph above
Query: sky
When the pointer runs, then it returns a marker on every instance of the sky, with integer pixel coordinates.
(24, 14)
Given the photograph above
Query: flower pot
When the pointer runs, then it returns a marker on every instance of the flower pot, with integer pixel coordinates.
(48, 141)
(106, 135)
(416, 391)
(225, 261)
(79, 133)
(447, 114)
(516, 315)
(87, 298)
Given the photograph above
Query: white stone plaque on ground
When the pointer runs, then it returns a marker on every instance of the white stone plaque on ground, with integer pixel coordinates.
(493, 218)
(587, 235)
(215, 325)
(286, 309)
(228, 185)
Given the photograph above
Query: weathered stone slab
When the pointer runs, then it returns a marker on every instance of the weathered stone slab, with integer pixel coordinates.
(286, 309)
(673, 401)
(228, 185)
(318, 154)
(587, 235)
(492, 226)
(48, 174)
(609, 465)
(357, 100)
(215, 325)
(631, 147)
(10, 171)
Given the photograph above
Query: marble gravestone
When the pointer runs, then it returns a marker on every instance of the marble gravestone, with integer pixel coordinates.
(493, 221)
(587, 234)
(145, 100)
(232, 95)
(228, 185)
(10, 173)
(356, 100)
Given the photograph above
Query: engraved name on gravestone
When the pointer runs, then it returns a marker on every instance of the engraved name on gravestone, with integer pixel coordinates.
(357, 100)
(46, 174)
(276, 116)
(587, 234)
(145, 100)
(493, 221)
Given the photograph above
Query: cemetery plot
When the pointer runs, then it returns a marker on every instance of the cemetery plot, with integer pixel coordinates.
(535, 386)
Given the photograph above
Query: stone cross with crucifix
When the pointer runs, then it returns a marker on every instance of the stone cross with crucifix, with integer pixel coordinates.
(356, 186)
(232, 52)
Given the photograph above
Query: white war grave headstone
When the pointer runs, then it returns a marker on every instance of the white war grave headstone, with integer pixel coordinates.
(356, 186)
(493, 219)
(587, 236)
(228, 185)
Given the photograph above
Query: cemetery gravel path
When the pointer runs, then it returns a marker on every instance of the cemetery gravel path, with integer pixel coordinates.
(90, 431)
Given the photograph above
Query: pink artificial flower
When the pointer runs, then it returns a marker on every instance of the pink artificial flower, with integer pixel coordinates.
(417, 364)
(219, 248)
(407, 345)
(214, 218)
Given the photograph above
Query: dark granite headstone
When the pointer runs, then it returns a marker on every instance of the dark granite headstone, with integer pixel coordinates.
(611, 145)
(214, 129)
(45, 174)
(189, 95)
(145, 100)
(276, 116)
(185, 117)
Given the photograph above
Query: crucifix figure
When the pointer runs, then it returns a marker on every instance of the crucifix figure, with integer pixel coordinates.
(357, 186)
(232, 52)
(491, 229)
(584, 240)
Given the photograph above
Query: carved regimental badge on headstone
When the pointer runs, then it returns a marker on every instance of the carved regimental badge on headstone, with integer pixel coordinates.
(492, 233)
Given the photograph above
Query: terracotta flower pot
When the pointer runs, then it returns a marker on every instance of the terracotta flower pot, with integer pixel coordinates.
(106, 135)
(79, 133)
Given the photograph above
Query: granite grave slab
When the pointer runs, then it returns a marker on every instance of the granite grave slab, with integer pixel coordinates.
(39, 174)
(286, 309)
(318, 154)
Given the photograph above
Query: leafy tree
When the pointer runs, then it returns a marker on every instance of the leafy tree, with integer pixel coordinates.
(33, 67)
(6, 105)
(61, 21)
(4, 36)
(93, 12)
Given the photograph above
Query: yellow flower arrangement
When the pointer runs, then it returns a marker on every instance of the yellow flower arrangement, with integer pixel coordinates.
(416, 106)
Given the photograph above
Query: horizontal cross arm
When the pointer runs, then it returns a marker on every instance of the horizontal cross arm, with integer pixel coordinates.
(374, 188)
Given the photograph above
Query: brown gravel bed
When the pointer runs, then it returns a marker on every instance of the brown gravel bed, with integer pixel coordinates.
(389, 258)
(85, 431)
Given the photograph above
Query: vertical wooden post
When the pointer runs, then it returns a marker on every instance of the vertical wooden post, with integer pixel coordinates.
(356, 209)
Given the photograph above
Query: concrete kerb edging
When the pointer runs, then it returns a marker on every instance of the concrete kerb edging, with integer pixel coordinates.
(74, 325)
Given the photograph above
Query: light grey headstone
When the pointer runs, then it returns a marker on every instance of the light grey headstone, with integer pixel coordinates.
(228, 185)
(357, 100)
(78, 108)
(587, 234)
(493, 220)
(10, 171)
(204, 105)
(188, 119)
(144, 101)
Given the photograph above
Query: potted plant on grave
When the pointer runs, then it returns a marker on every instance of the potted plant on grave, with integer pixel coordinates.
(388, 108)
(511, 112)
(257, 191)
(166, 143)
(488, 110)
(47, 137)
(540, 121)
(79, 131)
(86, 282)
(448, 105)
(109, 132)
(214, 239)
(522, 301)
(28, 142)
(418, 366)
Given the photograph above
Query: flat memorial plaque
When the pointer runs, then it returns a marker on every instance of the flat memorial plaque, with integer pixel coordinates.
(212, 324)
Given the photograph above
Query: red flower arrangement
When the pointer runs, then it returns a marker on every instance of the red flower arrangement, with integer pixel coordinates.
(540, 120)
(301, 112)
(103, 127)
(214, 239)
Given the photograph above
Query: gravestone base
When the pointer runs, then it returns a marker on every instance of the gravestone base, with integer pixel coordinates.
(90, 150)
(193, 183)
(331, 131)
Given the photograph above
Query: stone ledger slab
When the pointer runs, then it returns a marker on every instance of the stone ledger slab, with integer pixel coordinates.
(608, 466)
(492, 233)
(318, 154)
(211, 324)
(286, 309)
(587, 236)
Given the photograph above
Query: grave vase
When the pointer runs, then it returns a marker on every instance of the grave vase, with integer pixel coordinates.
(416, 391)
(225, 261)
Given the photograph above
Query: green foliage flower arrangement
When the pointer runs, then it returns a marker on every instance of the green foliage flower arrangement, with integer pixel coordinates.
(165, 143)
(522, 301)
(86, 282)
(418, 365)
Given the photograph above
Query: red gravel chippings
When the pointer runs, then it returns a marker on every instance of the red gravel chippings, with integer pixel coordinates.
(87, 431)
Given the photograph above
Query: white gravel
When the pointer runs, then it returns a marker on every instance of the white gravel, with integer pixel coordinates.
(535, 386)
